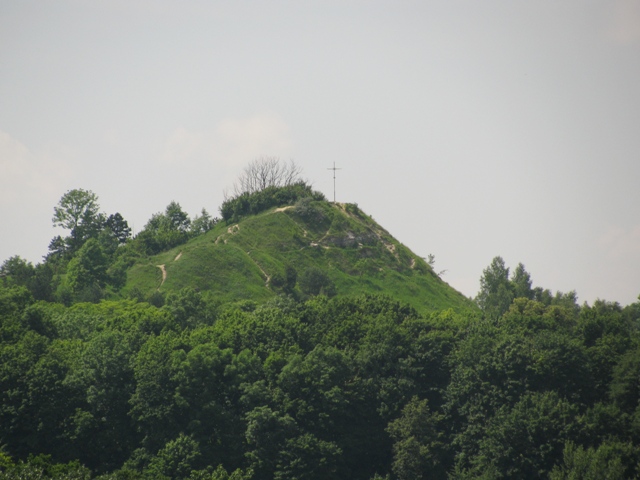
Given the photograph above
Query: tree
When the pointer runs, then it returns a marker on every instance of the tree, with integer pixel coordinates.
(266, 436)
(202, 223)
(187, 307)
(88, 269)
(165, 230)
(611, 460)
(495, 294)
(418, 446)
(266, 172)
(118, 227)
(78, 211)
(178, 218)
(176, 459)
(527, 440)
(521, 283)
(17, 270)
(314, 281)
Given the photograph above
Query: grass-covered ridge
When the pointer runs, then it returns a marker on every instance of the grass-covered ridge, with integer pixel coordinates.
(327, 248)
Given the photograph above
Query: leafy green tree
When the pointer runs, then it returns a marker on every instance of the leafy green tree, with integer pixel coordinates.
(308, 457)
(152, 405)
(521, 283)
(13, 301)
(610, 460)
(287, 281)
(527, 440)
(44, 467)
(78, 211)
(176, 459)
(314, 281)
(87, 270)
(266, 435)
(58, 250)
(17, 270)
(102, 427)
(187, 308)
(38, 279)
(178, 218)
(50, 401)
(495, 293)
(41, 285)
(202, 223)
(204, 385)
(165, 230)
(418, 447)
(624, 388)
(118, 228)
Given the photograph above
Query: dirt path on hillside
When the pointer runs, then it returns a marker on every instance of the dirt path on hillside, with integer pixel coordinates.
(282, 209)
(267, 277)
(164, 274)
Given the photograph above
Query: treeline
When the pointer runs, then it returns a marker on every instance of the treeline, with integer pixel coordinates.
(91, 262)
(353, 388)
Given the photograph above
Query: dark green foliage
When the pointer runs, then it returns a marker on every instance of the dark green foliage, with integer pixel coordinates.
(118, 228)
(314, 281)
(328, 388)
(253, 203)
(495, 293)
(521, 283)
(418, 443)
(307, 209)
(176, 459)
(164, 230)
(88, 268)
(610, 460)
(202, 223)
(38, 279)
(43, 467)
(498, 290)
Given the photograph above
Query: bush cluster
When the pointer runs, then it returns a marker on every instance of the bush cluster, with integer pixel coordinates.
(252, 203)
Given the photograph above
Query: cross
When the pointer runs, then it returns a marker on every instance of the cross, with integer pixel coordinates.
(334, 180)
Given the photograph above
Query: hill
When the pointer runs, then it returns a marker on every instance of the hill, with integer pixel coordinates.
(228, 378)
(311, 247)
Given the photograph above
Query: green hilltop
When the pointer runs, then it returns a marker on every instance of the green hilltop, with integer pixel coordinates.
(310, 247)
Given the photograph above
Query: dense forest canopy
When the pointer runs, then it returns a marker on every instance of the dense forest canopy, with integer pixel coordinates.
(304, 384)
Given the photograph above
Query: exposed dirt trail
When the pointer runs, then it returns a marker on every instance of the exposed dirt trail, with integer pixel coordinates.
(266, 275)
(164, 274)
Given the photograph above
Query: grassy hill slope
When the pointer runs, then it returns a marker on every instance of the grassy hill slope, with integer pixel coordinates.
(249, 259)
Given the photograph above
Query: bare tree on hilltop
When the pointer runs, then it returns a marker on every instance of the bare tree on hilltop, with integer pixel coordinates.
(266, 172)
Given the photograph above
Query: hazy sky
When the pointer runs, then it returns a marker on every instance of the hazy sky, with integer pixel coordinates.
(467, 129)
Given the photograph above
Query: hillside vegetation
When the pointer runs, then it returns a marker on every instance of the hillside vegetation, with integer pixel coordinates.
(307, 248)
(297, 339)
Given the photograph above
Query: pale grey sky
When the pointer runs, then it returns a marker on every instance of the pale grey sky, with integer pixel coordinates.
(467, 129)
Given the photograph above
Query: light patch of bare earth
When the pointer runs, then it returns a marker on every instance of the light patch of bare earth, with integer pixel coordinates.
(266, 275)
(164, 274)
(282, 209)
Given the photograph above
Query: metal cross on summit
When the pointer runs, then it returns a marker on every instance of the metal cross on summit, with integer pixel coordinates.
(334, 180)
